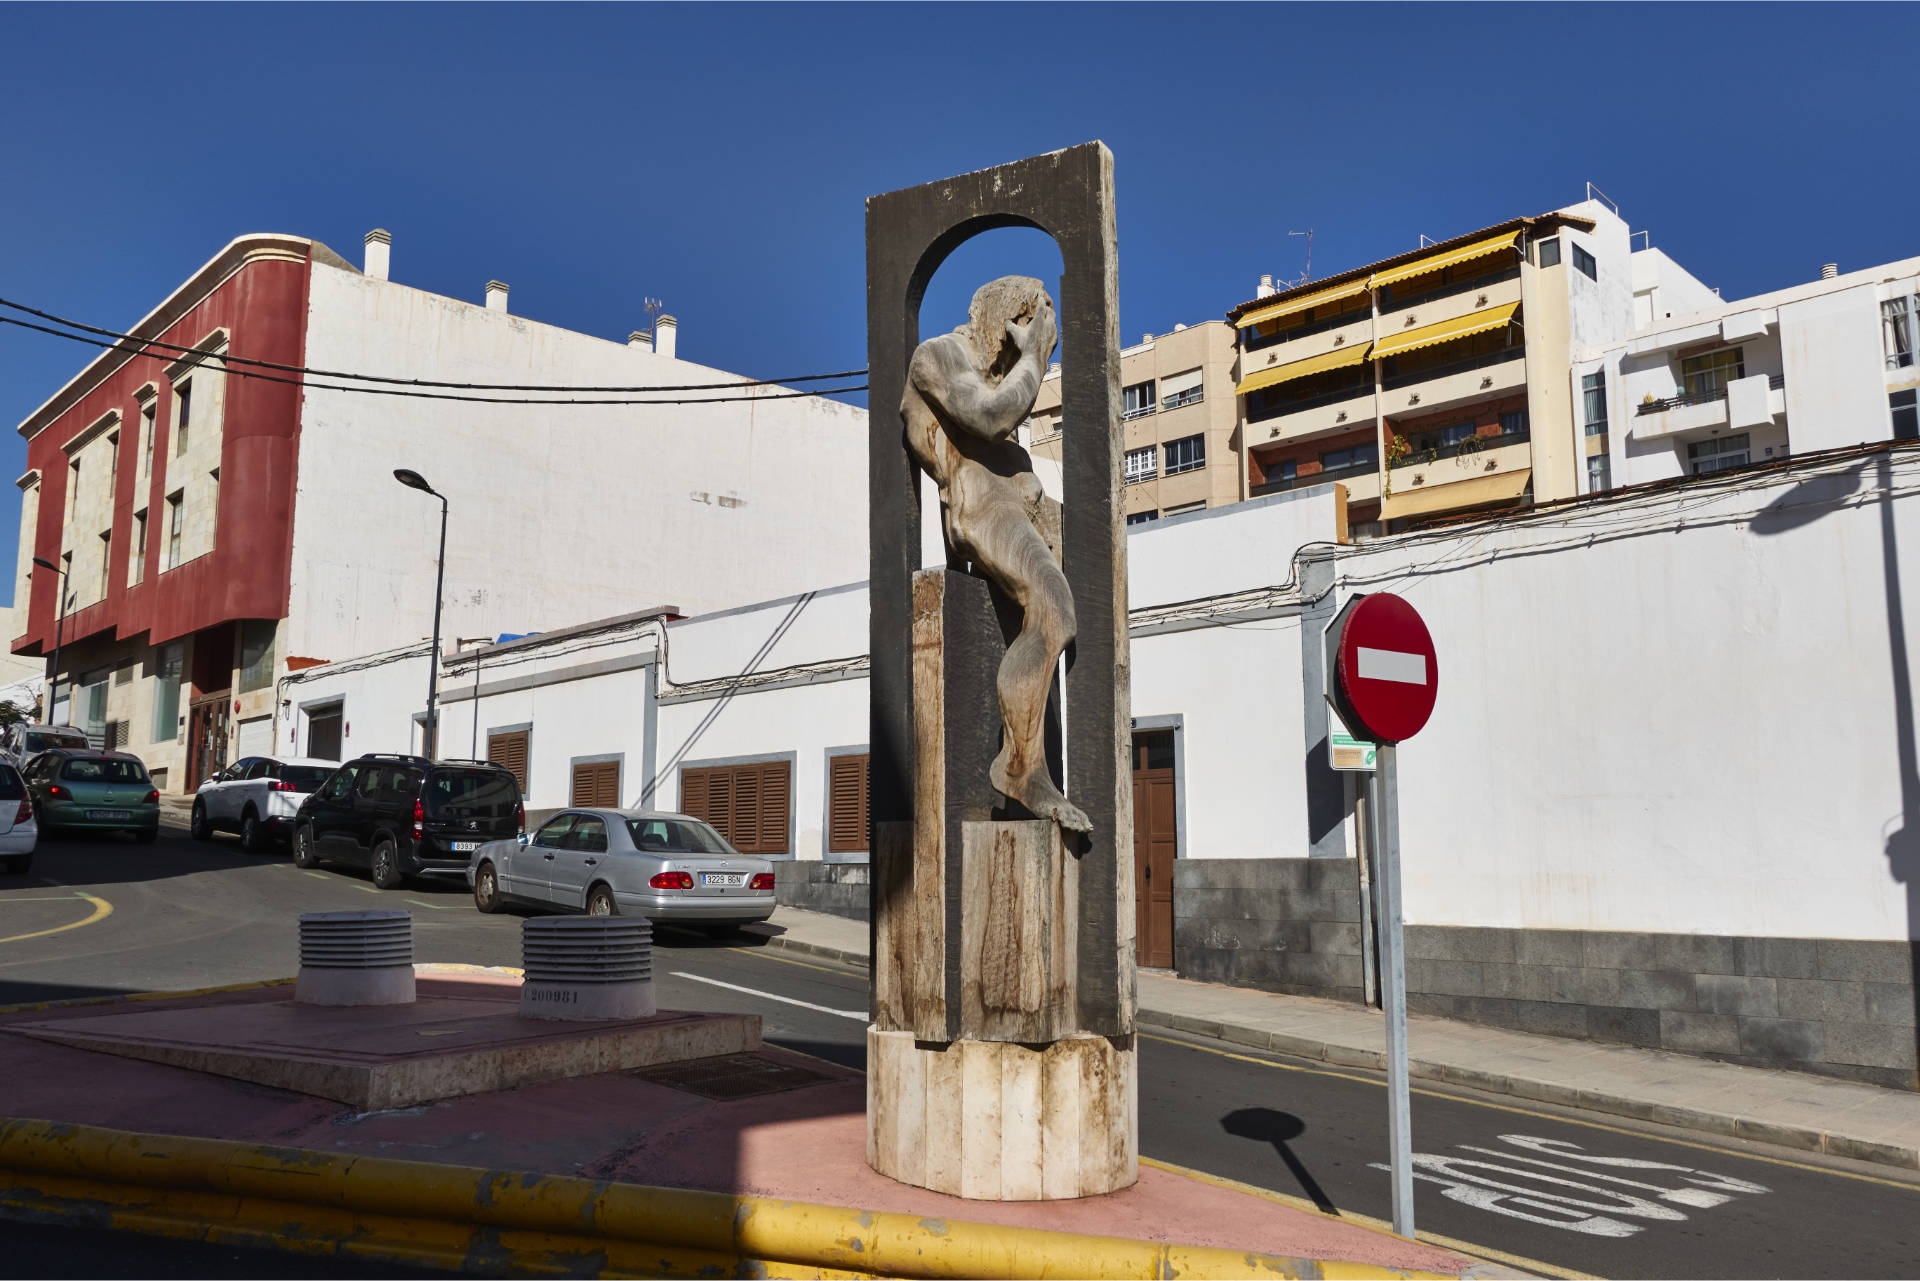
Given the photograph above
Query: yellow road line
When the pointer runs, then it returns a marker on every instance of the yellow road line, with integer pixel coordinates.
(766, 955)
(1370, 1223)
(101, 910)
(1545, 1116)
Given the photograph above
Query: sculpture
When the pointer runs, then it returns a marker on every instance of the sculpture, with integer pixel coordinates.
(966, 392)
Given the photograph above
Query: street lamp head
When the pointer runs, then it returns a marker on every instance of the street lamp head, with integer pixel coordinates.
(413, 480)
(44, 563)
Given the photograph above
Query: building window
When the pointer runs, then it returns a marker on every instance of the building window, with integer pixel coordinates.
(1141, 518)
(1186, 454)
(1184, 508)
(146, 440)
(847, 804)
(1547, 252)
(1140, 464)
(1191, 396)
(106, 561)
(113, 468)
(1906, 415)
(182, 420)
(138, 568)
(1366, 455)
(747, 804)
(1709, 456)
(166, 692)
(1593, 394)
(509, 751)
(596, 785)
(1896, 327)
(175, 523)
(1137, 400)
(1584, 264)
(1707, 376)
(1514, 423)
(1599, 475)
(256, 654)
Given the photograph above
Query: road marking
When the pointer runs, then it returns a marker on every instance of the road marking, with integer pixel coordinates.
(1392, 665)
(1367, 1221)
(784, 1000)
(318, 876)
(1545, 1116)
(764, 955)
(101, 910)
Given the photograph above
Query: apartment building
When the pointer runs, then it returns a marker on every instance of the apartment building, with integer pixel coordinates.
(1177, 400)
(1823, 364)
(219, 529)
(1438, 381)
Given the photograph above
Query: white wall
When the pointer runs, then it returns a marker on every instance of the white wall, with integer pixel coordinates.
(558, 513)
(1833, 358)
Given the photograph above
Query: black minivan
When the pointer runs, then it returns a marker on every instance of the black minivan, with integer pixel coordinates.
(401, 816)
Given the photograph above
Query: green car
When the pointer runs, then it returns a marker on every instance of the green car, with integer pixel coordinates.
(89, 791)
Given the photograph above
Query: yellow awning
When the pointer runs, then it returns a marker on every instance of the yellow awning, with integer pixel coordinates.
(1465, 253)
(1338, 358)
(1461, 495)
(1287, 307)
(1459, 327)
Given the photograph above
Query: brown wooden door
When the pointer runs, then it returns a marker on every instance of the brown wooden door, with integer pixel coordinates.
(1156, 840)
(208, 721)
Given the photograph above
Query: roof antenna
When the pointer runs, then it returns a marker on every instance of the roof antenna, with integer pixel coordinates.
(653, 306)
(1426, 240)
(1308, 273)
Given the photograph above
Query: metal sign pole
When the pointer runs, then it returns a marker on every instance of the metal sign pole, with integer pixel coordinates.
(1393, 988)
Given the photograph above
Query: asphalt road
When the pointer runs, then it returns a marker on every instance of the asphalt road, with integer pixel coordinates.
(1546, 1189)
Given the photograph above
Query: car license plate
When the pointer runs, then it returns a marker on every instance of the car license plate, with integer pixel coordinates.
(465, 847)
(109, 814)
(723, 878)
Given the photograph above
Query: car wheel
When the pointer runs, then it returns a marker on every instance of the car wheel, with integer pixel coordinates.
(303, 848)
(386, 864)
(486, 889)
(253, 837)
(600, 902)
(146, 835)
(20, 864)
(198, 826)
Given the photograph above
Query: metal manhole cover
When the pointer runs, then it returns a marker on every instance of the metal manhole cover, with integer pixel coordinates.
(729, 1076)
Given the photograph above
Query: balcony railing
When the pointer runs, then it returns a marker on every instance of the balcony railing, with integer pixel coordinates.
(1318, 478)
(1471, 445)
(1430, 372)
(1191, 396)
(1305, 403)
(1645, 407)
(1318, 325)
(1128, 415)
(1391, 301)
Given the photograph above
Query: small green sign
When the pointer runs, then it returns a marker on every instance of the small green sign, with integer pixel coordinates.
(1344, 751)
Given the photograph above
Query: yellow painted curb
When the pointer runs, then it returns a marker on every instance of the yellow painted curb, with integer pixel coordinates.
(71, 1002)
(464, 1218)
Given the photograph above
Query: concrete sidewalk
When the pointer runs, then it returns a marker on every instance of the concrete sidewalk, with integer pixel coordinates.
(1791, 1109)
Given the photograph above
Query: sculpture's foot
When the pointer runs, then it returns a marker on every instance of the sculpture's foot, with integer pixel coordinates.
(1037, 792)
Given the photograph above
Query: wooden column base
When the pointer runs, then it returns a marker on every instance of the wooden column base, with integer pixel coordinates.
(997, 1121)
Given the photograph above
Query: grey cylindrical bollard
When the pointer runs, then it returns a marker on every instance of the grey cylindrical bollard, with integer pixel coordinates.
(587, 967)
(355, 958)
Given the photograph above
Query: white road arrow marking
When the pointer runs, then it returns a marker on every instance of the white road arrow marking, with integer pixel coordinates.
(1392, 665)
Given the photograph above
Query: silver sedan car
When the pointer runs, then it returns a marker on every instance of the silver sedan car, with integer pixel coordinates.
(665, 867)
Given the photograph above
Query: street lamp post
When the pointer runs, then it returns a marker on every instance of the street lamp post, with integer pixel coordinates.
(59, 633)
(414, 480)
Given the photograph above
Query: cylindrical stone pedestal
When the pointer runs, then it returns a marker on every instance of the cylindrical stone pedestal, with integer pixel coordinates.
(355, 958)
(1000, 1121)
(586, 968)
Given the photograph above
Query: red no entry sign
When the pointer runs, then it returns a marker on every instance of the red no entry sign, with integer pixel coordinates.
(1385, 672)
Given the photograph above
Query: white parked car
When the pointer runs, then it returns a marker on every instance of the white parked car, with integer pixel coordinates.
(257, 796)
(19, 832)
(20, 743)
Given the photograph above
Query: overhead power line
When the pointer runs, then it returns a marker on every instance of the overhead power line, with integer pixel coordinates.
(411, 382)
(415, 394)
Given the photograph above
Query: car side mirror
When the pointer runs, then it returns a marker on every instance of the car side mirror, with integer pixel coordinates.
(524, 839)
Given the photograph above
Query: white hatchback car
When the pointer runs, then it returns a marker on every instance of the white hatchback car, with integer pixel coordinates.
(257, 796)
(19, 831)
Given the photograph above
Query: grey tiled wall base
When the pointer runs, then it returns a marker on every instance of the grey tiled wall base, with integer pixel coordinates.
(839, 889)
(1838, 1007)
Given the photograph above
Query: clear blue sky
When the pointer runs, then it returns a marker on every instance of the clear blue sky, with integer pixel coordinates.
(718, 157)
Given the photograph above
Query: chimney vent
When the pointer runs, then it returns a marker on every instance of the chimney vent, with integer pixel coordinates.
(496, 295)
(379, 251)
(664, 331)
(1179, 329)
(1146, 338)
(1266, 287)
(1829, 271)
(640, 340)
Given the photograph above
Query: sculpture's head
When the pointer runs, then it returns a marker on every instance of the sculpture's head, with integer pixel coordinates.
(1010, 300)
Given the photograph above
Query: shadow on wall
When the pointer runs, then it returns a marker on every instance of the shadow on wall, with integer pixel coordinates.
(1798, 507)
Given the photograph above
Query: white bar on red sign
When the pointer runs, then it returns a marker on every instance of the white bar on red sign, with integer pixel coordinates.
(1392, 665)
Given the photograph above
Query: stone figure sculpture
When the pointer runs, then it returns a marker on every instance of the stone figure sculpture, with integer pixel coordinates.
(965, 393)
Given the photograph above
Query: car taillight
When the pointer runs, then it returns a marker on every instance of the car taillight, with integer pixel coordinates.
(761, 881)
(24, 813)
(280, 785)
(57, 793)
(672, 881)
(519, 816)
(153, 798)
(419, 819)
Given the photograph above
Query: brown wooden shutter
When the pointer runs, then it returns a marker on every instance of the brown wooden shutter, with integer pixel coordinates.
(747, 804)
(597, 785)
(776, 779)
(510, 752)
(693, 794)
(847, 804)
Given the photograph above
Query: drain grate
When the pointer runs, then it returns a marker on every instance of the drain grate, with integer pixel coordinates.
(729, 1076)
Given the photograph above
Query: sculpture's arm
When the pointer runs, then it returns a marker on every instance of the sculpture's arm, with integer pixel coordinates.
(968, 399)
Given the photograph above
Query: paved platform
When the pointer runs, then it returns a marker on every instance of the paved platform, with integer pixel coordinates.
(1793, 1109)
(462, 1036)
(786, 1126)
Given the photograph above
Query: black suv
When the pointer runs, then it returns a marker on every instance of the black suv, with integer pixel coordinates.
(401, 816)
